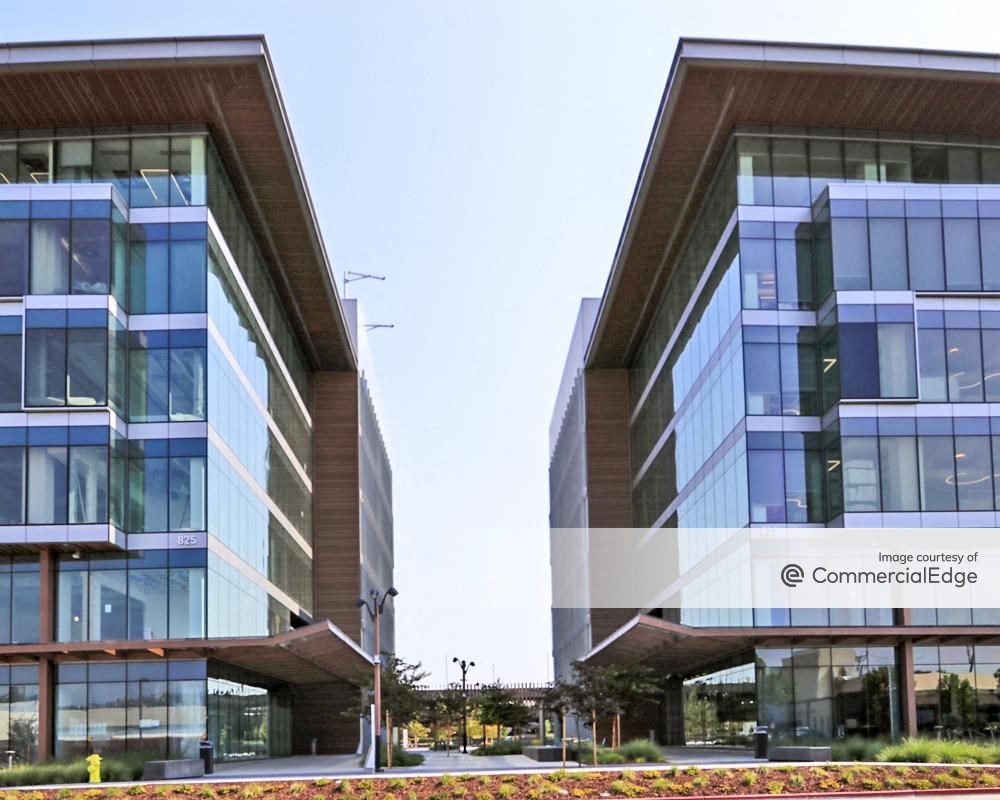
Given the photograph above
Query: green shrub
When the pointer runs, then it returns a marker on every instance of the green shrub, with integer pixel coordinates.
(749, 778)
(641, 751)
(932, 751)
(501, 747)
(625, 788)
(856, 748)
(505, 790)
(775, 787)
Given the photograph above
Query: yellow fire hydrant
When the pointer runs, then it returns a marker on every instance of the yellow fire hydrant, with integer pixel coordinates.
(94, 767)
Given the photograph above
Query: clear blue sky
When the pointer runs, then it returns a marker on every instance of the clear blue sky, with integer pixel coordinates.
(482, 156)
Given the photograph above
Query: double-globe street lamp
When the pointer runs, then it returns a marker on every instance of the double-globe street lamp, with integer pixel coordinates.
(375, 608)
(465, 667)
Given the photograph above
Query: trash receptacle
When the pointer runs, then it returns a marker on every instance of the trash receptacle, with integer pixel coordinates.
(207, 755)
(760, 741)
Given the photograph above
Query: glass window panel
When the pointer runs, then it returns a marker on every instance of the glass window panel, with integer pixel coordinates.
(88, 485)
(148, 385)
(147, 506)
(108, 605)
(791, 172)
(188, 276)
(45, 367)
(148, 274)
(963, 165)
(47, 485)
(50, 256)
(111, 164)
(763, 378)
(117, 366)
(13, 257)
(754, 172)
(119, 261)
(5, 616)
(767, 490)
(930, 164)
(991, 364)
(187, 717)
(794, 271)
(861, 473)
(34, 162)
(187, 167)
(996, 471)
(973, 473)
(147, 715)
(897, 366)
(10, 372)
(933, 371)
(989, 235)
(71, 720)
(91, 259)
(8, 162)
(937, 473)
(87, 366)
(147, 603)
(898, 467)
(187, 383)
(799, 384)
(850, 254)
(106, 720)
(888, 254)
(826, 165)
(965, 366)
(11, 485)
(24, 626)
(926, 254)
(73, 161)
(860, 163)
(757, 265)
(150, 172)
(187, 493)
(187, 602)
(71, 607)
(859, 360)
(961, 255)
(894, 162)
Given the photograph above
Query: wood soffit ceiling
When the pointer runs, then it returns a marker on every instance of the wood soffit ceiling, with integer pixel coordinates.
(680, 649)
(227, 84)
(716, 85)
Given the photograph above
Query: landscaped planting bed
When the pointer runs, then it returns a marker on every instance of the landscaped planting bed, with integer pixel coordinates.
(660, 783)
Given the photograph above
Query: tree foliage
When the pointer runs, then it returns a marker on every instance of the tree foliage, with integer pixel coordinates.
(500, 706)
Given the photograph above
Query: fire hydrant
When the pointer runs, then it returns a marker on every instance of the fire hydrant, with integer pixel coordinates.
(94, 767)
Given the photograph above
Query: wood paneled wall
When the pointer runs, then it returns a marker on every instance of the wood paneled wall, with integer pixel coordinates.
(336, 501)
(609, 473)
(325, 712)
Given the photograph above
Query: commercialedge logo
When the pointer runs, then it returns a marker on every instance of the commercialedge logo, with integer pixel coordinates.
(792, 575)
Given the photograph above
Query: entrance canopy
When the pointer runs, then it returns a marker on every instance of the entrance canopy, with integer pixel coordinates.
(317, 653)
(675, 649)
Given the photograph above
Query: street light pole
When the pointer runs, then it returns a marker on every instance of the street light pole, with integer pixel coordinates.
(375, 609)
(465, 702)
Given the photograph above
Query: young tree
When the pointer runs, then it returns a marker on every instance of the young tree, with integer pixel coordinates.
(590, 696)
(629, 688)
(401, 698)
(441, 713)
(559, 698)
(494, 705)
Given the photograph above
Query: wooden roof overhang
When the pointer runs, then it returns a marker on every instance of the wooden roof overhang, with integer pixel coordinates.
(715, 85)
(316, 653)
(676, 649)
(228, 84)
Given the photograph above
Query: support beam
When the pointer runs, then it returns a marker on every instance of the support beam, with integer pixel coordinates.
(907, 689)
(46, 596)
(46, 711)
(673, 712)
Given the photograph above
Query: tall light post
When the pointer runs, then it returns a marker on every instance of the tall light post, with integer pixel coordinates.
(375, 609)
(465, 702)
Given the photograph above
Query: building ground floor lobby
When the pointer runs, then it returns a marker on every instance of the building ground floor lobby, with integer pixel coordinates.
(813, 684)
(252, 698)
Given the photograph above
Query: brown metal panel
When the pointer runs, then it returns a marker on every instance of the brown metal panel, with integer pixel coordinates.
(328, 713)
(907, 686)
(336, 501)
(609, 489)
(46, 710)
(46, 596)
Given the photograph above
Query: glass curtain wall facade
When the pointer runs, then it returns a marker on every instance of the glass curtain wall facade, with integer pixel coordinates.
(825, 354)
(135, 301)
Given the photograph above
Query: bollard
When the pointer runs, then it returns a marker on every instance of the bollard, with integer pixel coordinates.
(10, 758)
(94, 767)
